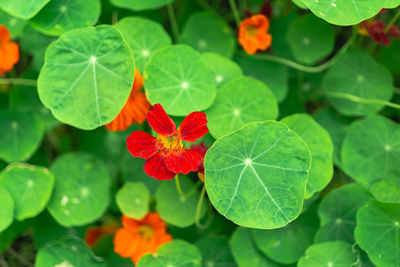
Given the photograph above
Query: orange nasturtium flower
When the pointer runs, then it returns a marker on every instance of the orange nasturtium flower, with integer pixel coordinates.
(95, 233)
(253, 34)
(139, 237)
(9, 52)
(135, 109)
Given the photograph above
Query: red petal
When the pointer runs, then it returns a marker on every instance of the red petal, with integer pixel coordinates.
(201, 149)
(159, 120)
(185, 162)
(394, 32)
(157, 168)
(142, 145)
(193, 127)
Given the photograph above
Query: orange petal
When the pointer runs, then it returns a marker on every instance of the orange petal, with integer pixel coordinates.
(5, 35)
(139, 107)
(126, 243)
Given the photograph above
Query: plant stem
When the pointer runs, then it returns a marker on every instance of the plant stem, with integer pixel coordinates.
(172, 19)
(235, 11)
(363, 100)
(392, 21)
(178, 186)
(25, 82)
(198, 208)
(194, 188)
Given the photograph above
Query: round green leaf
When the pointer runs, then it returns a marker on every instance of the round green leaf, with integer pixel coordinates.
(20, 134)
(178, 79)
(310, 38)
(87, 76)
(331, 254)
(337, 212)
(215, 251)
(13, 24)
(386, 191)
(81, 192)
(391, 3)
(207, 32)
(256, 176)
(7, 209)
(175, 209)
(378, 232)
(144, 36)
(390, 56)
(60, 16)
(67, 252)
(133, 200)
(140, 4)
(30, 187)
(21, 8)
(320, 144)
(357, 73)
(223, 69)
(300, 3)
(238, 102)
(371, 150)
(175, 253)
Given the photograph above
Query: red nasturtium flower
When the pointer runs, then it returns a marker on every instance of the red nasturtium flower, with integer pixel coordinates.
(95, 233)
(139, 237)
(135, 109)
(201, 149)
(253, 34)
(377, 31)
(166, 155)
(9, 52)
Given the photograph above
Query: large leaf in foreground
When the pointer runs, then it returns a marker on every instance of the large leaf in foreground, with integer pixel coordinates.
(22, 9)
(256, 176)
(140, 4)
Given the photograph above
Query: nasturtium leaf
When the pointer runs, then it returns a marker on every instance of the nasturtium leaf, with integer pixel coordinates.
(138, 5)
(357, 74)
(178, 79)
(256, 176)
(21, 8)
(371, 150)
(215, 251)
(274, 75)
(60, 16)
(337, 212)
(386, 191)
(332, 254)
(7, 209)
(378, 232)
(87, 76)
(207, 32)
(391, 3)
(30, 187)
(175, 209)
(133, 200)
(278, 29)
(144, 36)
(175, 253)
(390, 56)
(238, 102)
(310, 38)
(81, 192)
(67, 252)
(300, 4)
(13, 24)
(223, 69)
(320, 144)
(20, 134)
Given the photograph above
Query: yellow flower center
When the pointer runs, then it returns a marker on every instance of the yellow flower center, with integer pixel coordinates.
(252, 30)
(146, 231)
(169, 145)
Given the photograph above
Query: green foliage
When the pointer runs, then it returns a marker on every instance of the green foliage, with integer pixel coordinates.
(14, 25)
(139, 4)
(133, 200)
(7, 210)
(215, 251)
(20, 9)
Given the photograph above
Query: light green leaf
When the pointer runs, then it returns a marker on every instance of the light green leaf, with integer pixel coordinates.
(30, 187)
(391, 3)
(81, 192)
(21, 8)
(138, 5)
(87, 76)
(133, 200)
(178, 79)
(60, 16)
(386, 191)
(215, 251)
(300, 3)
(256, 176)
(7, 209)
(13, 24)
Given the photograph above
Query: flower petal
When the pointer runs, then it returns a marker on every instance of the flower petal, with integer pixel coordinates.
(159, 120)
(193, 127)
(126, 243)
(142, 145)
(184, 162)
(157, 168)
(201, 149)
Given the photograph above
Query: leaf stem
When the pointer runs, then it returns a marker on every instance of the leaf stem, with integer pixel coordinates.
(26, 82)
(363, 100)
(178, 186)
(235, 11)
(172, 19)
(392, 21)
(198, 208)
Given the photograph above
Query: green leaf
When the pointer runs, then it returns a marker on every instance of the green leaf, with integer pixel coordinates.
(30, 187)
(16, 229)
(60, 16)
(144, 36)
(175, 209)
(390, 56)
(357, 73)
(133, 200)
(320, 144)
(207, 32)
(310, 38)
(238, 102)
(7, 209)
(178, 79)
(300, 3)
(67, 252)
(20, 134)
(175, 253)
(223, 69)
(87, 76)
(337, 253)
(215, 251)
(22, 9)
(386, 191)
(391, 3)
(337, 212)
(13, 24)
(138, 5)
(256, 176)
(81, 192)
(378, 232)
(371, 150)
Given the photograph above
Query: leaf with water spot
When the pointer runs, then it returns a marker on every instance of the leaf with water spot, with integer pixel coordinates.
(133, 200)
(138, 5)
(256, 176)
(215, 251)
(7, 209)
(23, 9)
(87, 76)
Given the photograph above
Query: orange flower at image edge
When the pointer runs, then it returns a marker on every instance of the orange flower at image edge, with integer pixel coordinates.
(253, 34)
(135, 109)
(140, 237)
(9, 53)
